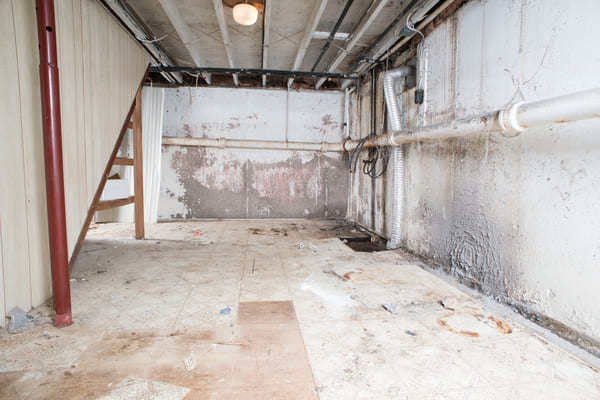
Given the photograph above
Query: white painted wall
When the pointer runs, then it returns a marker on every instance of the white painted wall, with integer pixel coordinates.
(223, 183)
(518, 218)
(100, 69)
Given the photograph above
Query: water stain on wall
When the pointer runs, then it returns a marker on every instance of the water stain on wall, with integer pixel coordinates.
(218, 184)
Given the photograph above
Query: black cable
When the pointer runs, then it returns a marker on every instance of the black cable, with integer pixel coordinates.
(355, 155)
(377, 155)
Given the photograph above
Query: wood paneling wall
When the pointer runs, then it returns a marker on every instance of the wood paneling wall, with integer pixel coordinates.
(100, 70)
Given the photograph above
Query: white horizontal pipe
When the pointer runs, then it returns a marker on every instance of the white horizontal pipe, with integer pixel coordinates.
(514, 119)
(518, 117)
(571, 107)
(252, 144)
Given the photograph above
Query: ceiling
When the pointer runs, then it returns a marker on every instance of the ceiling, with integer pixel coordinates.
(203, 34)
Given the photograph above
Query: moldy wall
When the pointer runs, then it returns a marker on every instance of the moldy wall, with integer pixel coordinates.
(241, 183)
(516, 217)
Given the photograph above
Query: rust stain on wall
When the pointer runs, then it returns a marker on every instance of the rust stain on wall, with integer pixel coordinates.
(287, 182)
(219, 184)
(188, 131)
(328, 120)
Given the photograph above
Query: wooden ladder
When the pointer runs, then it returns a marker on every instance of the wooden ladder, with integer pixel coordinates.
(135, 125)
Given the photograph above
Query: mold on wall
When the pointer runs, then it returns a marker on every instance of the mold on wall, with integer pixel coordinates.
(515, 217)
(241, 183)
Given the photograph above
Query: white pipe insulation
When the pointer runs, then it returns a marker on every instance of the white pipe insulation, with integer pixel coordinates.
(513, 119)
(516, 118)
(390, 79)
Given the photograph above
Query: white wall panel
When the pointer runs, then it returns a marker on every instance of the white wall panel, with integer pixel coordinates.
(91, 46)
(100, 82)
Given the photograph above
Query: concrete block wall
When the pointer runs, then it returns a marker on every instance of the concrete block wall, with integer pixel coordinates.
(516, 217)
(240, 183)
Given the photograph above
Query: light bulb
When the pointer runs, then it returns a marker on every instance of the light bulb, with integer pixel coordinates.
(245, 14)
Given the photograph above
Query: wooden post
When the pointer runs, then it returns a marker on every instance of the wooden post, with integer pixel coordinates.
(138, 167)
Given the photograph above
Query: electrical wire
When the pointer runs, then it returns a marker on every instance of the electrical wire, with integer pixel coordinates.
(411, 26)
(152, 40)
(377, 155)
(355, 155)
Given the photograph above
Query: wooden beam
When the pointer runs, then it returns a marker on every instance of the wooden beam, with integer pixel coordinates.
(356, 35)
(123, 161)
(108, 204)
(185, 33)
(266, 38)
(308, 35)
(138, 167)
(225, 34)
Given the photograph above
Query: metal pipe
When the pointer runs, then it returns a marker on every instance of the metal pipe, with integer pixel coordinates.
(516, 118)
(332, 34)
(366, 21)
(398, 154)
(252, 144)
(254, 71)
(571, 107)
(365, 54)
(55, 195)
(347, 93)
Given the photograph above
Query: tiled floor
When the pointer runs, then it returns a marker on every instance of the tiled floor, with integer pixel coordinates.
(160, 319)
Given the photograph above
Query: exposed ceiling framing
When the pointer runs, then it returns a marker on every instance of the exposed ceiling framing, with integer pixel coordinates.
(336, 39)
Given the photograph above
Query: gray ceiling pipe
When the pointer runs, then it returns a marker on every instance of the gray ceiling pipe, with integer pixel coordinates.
(398, 153)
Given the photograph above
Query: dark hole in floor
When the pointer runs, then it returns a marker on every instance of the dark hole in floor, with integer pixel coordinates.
(364, 244)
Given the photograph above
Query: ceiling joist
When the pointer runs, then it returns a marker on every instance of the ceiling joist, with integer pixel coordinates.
(308, 34)
(185, 33)
(356, 35)
(266, 38)
(220, 11)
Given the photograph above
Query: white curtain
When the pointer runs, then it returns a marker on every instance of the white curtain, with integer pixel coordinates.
(152, 122)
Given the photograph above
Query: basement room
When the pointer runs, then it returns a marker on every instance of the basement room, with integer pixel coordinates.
(319, 199)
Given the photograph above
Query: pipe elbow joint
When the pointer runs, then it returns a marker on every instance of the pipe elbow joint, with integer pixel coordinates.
(508, 119)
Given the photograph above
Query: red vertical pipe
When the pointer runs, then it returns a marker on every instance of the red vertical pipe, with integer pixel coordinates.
(55, 193)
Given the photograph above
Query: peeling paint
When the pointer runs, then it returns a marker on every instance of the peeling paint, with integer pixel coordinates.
(515, 217)
(217, 184)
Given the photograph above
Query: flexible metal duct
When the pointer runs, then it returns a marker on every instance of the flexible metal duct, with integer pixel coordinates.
(398, 154)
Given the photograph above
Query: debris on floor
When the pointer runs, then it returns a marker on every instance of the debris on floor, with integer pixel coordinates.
(457, 322)
(392, 308)
(226, 311)
(501, 325)
(20, 321)
(449, 303)
(189, 362)
(306, 325)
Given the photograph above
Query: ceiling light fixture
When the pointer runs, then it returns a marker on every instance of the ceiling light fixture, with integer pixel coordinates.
(245, 14)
